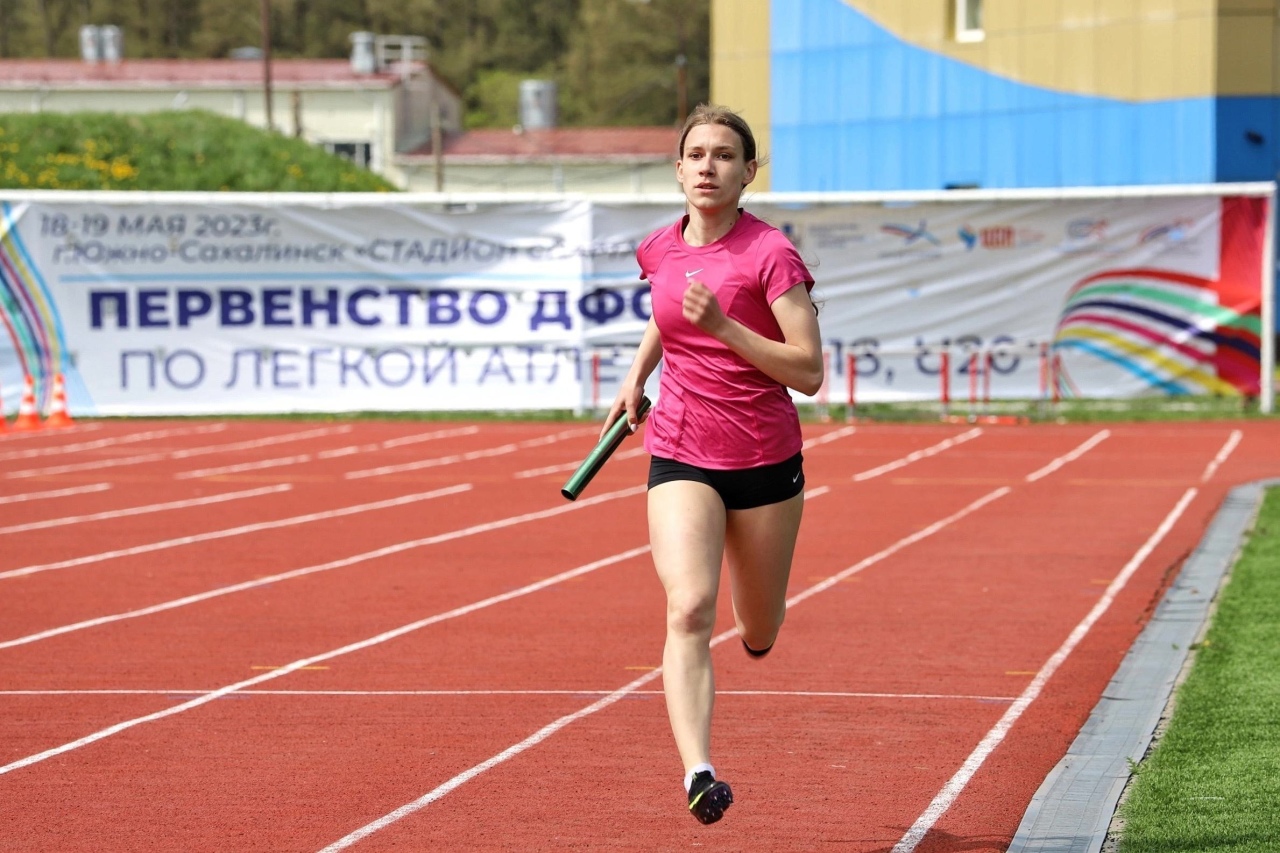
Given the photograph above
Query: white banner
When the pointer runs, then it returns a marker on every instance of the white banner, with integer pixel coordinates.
(248, 304)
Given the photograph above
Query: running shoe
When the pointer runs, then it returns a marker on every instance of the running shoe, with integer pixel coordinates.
(709, 797)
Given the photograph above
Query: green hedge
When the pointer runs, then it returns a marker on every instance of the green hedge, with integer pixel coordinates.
(188, 150)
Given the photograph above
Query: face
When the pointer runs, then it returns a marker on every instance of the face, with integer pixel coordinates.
(712, 171)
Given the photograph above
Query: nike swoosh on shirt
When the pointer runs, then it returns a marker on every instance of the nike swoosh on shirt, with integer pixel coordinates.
(694, 272)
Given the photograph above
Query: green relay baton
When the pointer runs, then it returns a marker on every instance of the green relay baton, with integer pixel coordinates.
(596, 458)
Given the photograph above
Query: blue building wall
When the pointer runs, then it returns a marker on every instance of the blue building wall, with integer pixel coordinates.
(855, 107)
(1248, 133)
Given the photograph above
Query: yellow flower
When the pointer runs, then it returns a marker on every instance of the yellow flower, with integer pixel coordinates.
(294, 170)
(121, 170)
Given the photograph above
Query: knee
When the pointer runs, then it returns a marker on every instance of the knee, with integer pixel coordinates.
(691, 614)
(760, 634)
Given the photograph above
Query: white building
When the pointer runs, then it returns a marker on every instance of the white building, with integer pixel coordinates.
(637, 160)
(380, 102)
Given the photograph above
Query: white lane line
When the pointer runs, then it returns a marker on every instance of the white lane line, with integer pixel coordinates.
(451, 459)
(328, 454)
(1232, 442)
(1092, 442)
(76, 428)
(144, 510)
(829, 437)
(573, 466)
(427, 694)
(180, 454)
(417, 438)
(278, 462)
(330, 655)
(467, 775)
(631, 688)
(54, 493)
(917, 455)
(951, 791)
(324, 567)
(109, 442)
(640, 451)
(923, 533)
(232, 531)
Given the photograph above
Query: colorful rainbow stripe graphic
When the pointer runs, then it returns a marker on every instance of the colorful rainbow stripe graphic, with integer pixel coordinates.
(28, 312)
(1178, 333)
(1167, 329)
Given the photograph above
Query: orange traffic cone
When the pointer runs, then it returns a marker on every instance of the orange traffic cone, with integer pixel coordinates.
(58, 414)
(28, 415)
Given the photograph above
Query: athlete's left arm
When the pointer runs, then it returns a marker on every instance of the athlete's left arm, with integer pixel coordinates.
(795, 361)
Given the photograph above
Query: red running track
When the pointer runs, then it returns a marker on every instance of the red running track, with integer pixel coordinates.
(398, 636)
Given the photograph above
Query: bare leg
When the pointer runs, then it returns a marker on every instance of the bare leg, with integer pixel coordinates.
(760, 543)
(686, 531)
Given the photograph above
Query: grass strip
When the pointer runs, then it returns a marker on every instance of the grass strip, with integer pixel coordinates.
(1212, 782)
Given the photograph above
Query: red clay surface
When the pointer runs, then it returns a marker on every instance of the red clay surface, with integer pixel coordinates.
(429, 629)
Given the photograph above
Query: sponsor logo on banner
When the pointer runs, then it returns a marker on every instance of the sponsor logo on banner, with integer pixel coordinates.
(1172, 233)
(836, 235)
(1175, 236)
(1085, 235)
(998, 237)
(916, 240)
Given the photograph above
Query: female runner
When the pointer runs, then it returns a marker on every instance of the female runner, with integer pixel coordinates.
(734, 327)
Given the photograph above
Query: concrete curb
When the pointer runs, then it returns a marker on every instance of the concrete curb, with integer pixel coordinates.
(1072, 810)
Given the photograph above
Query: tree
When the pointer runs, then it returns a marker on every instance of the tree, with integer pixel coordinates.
(615, 61)
(623, 65)
(14, 28)
(226, 26)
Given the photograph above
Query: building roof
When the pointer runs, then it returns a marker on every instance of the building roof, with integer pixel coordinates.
(655, 144)
(192, 74)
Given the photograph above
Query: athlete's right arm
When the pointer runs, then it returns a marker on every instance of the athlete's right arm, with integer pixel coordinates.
(645, 362)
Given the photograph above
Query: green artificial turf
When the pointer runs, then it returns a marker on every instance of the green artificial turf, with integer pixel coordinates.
(1212, 783)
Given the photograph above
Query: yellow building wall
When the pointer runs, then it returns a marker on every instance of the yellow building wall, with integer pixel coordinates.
(1248, 35)
(740, 69)
(1135, 50)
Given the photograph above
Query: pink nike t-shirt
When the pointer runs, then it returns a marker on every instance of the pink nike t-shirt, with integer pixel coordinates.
(715, 409)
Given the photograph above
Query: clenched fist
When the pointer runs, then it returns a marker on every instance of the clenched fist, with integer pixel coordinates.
(702, 309)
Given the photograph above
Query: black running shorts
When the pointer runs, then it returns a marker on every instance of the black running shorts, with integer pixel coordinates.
(744, 488)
